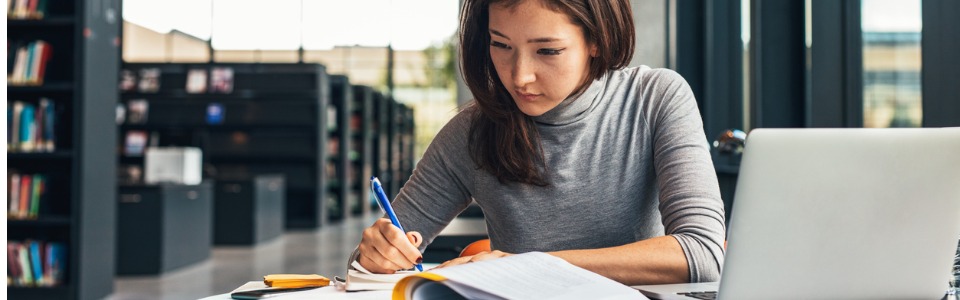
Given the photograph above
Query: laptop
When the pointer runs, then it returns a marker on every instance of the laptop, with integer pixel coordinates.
(840, 214)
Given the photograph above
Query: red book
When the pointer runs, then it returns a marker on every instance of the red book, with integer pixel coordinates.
(25, 195)
(44, 57)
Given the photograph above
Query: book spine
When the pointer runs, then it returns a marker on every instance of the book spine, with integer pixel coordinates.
(13, 263)
(37, 193)
(25, 182)
(56, 261)
(14, 199)
(27, 127)
(37, 269)
(17, 110)
(49, 135)
(44, 58)
(35, 72)
(18, 69)
(31, 55)
(26, 277)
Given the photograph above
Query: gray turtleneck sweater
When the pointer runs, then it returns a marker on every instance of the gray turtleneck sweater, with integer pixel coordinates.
(627, 160)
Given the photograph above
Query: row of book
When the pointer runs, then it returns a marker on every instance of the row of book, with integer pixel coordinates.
(26, 9)
(216, 80)
(27, 61)
(30, 127)
(35, 263)
(24, 194)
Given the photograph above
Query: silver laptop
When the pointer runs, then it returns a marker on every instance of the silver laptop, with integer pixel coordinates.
(840, 214)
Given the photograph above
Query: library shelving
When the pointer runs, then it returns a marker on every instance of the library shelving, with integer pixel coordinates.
(248, 119)
(399, 145)
(61, 93)
(380, 131)
(361, 126)
(340, 161)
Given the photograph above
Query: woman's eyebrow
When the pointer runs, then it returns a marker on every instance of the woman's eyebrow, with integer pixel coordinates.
(536, 40)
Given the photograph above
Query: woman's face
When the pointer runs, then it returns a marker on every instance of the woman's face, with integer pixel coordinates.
(540, 55)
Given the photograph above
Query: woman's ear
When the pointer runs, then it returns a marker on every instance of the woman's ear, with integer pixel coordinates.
(594, 50)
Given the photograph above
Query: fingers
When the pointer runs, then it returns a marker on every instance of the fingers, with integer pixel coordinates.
(399, 250)
(385, 249)
(374, 262)
(415, 238)
(485, 255)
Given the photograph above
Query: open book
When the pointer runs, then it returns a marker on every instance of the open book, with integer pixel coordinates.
(533, 275)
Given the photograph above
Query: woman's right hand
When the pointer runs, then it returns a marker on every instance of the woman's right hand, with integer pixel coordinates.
(385, 249)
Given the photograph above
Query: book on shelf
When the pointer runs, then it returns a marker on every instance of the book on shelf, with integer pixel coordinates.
(24, 194)
(331, 118)
(27, 62)
(149, 80)
(137, 111)
(196, 81)
(128, 80)
(135, 143)
(121, 113)
(33, 263)
(221, 80)
(30, 127)
(215, 113)
(26, 9)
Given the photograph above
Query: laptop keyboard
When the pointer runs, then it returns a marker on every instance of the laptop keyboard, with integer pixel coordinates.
(700, 295)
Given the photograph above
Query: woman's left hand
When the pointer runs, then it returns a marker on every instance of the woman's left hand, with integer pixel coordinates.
(485, 255)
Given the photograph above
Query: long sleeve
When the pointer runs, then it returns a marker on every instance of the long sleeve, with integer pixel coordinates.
(690, 203)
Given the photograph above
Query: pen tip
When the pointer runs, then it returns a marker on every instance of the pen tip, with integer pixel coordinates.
(420, 268)
(373, 177)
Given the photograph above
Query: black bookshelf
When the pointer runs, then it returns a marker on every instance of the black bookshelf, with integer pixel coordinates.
(77, 208)
(272, 121)
(340, 162)
(400, 145)
(405, 143)
(361, 126)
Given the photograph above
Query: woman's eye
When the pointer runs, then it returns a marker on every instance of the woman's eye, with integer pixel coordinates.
(499, 45)
(550, 51)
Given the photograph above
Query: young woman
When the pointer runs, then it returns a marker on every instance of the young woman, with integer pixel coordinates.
(566, 151)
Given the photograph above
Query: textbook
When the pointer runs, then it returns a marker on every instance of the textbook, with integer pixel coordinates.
(533, 275)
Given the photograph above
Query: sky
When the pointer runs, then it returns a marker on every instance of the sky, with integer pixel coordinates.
(276, 24)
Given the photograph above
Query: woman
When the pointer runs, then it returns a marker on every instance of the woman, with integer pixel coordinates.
(566, 152)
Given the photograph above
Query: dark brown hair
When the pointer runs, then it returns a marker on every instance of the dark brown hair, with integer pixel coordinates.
(503, 140)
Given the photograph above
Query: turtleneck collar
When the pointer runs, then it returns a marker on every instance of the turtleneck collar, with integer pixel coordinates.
(576, 107)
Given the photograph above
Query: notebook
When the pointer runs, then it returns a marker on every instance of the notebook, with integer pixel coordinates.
(840, 214)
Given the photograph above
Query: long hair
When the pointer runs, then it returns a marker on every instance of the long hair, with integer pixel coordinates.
(503, 140)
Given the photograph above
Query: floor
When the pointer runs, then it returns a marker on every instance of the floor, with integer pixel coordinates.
(323, 251)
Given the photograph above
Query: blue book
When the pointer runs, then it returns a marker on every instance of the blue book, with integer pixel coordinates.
(215, 114)
(35, 263)
(31, 52)
(27, 127)
(54, 266)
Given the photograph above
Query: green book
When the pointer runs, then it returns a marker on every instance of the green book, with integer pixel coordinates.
(38, 186)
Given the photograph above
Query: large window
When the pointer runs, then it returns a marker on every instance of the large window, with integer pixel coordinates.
(891, 63)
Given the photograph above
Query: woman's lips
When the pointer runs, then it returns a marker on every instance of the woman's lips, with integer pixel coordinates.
(527, 96)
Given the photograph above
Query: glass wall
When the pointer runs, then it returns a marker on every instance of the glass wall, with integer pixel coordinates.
(891, 63)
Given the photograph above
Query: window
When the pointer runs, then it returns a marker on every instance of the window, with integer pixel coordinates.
(891, 63)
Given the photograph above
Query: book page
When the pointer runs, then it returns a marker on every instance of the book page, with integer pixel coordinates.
(533, 275)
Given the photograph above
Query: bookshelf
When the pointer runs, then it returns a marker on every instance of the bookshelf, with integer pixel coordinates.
(399, 145)
(72, 85)
(261, 119)
(340, 161)
(361, 126)
(381, 137)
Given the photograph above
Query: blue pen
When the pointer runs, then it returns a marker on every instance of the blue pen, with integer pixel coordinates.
(385, 206)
